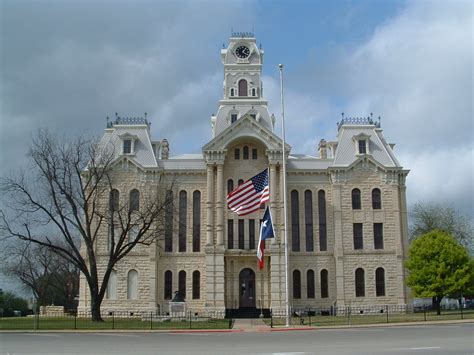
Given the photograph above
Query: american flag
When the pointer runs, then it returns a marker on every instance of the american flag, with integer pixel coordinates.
(248, 197)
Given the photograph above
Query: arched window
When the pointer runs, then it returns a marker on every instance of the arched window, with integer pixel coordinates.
(232, 92)
(243, 91)
(296, 284)
(356, 199)
(169, 221)
(310, 284)
(197, 221)
(132, 285)
(324, 284)
(111, 293)
(295, 221)
(245, 154)
(323, 240)
(376, 199)
(230, 185)
(182, 283)
(168, 285)
(253, 92)
(308, 218)
(360, 282)
(114, 200)
(134, 200)
(380, 282)
(196, 285)
(183, 205)
(241, 181)
(237, 154)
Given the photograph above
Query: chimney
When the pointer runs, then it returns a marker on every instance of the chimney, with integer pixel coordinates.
(165, 149)
(323, 152)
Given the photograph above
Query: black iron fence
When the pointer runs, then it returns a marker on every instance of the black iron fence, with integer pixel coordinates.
(115, 320)
(355, 315)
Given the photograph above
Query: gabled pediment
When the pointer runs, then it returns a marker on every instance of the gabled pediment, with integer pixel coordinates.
(245, 127)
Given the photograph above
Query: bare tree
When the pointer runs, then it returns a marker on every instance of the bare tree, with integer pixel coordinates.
(51, 278)
(427, 217)
(70, 188)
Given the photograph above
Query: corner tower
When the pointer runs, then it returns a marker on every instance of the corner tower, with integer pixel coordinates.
(243, 88)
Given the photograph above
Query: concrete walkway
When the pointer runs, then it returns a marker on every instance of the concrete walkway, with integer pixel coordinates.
(250, 325)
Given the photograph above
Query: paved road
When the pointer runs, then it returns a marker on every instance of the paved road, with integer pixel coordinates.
(419, 340)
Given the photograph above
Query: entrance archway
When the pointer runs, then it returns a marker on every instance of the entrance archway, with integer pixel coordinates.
(247, 288)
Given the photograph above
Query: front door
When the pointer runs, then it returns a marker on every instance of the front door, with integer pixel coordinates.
(247, 288)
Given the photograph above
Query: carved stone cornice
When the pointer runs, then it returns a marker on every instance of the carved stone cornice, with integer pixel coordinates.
(215, 156)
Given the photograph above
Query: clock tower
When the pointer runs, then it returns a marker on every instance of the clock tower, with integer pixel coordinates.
(243, 88)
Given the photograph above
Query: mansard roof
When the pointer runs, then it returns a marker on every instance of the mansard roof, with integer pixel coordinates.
(143, 151)
(346, 151)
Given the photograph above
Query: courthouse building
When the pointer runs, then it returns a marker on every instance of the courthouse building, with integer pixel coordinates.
(347, 216)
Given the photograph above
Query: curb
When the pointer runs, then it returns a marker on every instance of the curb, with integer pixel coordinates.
(240, 330)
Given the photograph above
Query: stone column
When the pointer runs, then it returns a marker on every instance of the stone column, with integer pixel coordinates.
(210, 205)
(220, 204)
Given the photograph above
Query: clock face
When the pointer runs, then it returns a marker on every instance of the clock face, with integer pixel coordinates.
(242, 52)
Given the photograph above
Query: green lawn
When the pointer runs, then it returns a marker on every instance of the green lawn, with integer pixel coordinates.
(356, 319)
(71, 322)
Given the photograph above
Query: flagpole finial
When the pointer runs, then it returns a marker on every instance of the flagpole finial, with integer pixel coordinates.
(280, 66)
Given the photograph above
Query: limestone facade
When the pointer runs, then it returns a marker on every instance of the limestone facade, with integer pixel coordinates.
(210, 252)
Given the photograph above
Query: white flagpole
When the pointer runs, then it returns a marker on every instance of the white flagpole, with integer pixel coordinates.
(287, 303)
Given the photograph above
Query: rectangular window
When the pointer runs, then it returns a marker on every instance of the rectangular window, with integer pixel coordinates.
(295, 221)
(358, 236)
(254, 153)
(230, 234)
(323, 243)
(233, 118)
(127, 146)
(251, 234)
(237, 154)
(362, 146)
(308, 216)
(169, 222)
(196, 221)
(378, 235)
(241, 234)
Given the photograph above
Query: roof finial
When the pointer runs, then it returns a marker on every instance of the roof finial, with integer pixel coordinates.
(145, 114)
(342, 114)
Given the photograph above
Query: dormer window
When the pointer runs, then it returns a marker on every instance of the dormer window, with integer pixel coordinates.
(361, 143)
(253, 92)
(232, 92)
(128, 143)
(233, 117)
(127, 146)
(253, 115)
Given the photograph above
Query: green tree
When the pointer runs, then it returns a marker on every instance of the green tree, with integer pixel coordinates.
(9, 303)
(426, 217)
(439, 266)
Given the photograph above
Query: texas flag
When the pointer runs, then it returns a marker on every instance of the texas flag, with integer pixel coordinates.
(266, 232)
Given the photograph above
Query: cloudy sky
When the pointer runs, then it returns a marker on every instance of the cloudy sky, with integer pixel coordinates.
(67, 65)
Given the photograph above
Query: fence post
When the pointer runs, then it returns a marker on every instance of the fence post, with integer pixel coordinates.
(271, 319)
(462, 316)
(190, 320)
(113, 319)
(309, 316)
(386, 308)
(424, 311)
(75, 320)
(151, 320)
